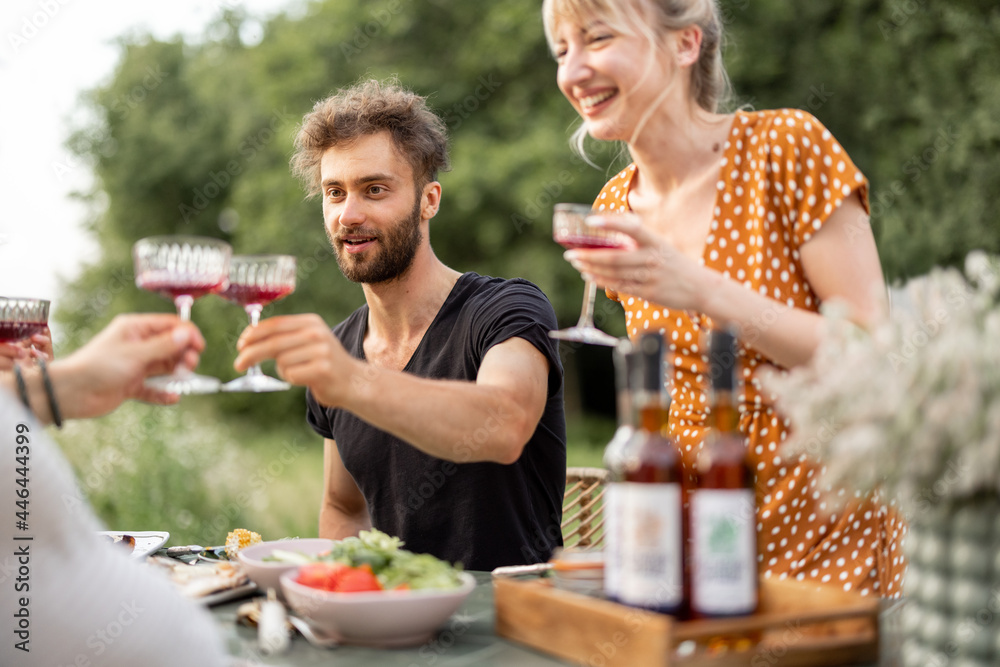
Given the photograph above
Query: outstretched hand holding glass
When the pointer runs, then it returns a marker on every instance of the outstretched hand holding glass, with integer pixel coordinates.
(254, 282)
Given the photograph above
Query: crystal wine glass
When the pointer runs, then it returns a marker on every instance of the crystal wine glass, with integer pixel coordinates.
(569, 229)
(182, 269)
(254, 282)
(22, 318)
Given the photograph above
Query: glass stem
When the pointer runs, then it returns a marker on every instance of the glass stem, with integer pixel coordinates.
(183, 305)
(587, 310)
(253, 310)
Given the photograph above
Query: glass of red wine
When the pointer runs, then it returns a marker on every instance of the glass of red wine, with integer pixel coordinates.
(570, 230)
(22, 318)
(182, 269)
(254, 282)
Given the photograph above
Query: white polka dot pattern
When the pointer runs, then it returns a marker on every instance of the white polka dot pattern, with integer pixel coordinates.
(781, 177)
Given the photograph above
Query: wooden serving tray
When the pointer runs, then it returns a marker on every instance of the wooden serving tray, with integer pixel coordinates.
(798, 625)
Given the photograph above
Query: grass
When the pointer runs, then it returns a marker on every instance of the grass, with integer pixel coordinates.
(185, 471)
(585, 440)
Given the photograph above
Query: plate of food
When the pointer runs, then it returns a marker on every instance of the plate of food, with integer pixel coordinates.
(138, 543)
(368, 591)
(207, 574)
(208, 583)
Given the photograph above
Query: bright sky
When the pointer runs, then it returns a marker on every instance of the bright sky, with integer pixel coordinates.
(51, 51)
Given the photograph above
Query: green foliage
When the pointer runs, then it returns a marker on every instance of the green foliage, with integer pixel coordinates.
(195, 138)
(197, 477)
(910, 88)
(174, 469)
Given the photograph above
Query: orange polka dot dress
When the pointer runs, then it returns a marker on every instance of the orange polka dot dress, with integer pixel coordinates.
(781, 176)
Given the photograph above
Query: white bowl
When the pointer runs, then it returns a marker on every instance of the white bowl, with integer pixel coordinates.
(266, 574)
(378, 618)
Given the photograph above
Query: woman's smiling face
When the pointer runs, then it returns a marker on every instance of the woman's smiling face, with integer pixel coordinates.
(610, 77)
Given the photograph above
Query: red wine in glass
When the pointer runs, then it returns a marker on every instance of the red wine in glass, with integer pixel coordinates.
(22, 318)
(570, 230)
(255, 295)
(182, 269)
(171, 288)
(11, 332)
(575, 241)
(254, 282)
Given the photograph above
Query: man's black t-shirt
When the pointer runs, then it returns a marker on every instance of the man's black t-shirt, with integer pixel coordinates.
(480, 514)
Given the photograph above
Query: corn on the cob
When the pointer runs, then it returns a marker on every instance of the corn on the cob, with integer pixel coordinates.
(238, 540)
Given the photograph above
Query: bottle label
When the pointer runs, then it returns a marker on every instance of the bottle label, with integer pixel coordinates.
(612, 540)
(645, 539)
(723, 551)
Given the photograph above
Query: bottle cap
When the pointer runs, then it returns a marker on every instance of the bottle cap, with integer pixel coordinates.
(723, 359)
(649, 375)
(622, 354)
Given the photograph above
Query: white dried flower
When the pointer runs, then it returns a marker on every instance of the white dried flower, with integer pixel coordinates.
(913, 406)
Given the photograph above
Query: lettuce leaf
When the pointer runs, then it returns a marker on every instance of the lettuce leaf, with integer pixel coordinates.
(393, 565)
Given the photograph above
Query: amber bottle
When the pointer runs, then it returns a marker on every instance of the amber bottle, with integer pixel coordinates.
(644, 565)
(614, 451)
(722, 517)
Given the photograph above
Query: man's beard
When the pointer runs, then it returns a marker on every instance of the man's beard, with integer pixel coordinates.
(395, 252)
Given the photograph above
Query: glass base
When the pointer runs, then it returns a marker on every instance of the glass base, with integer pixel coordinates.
(587, 335)
(256, 383)
(184, 383)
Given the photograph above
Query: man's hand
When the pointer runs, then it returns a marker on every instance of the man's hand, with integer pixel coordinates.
(305, 351)
(437, 416)
(112, 366)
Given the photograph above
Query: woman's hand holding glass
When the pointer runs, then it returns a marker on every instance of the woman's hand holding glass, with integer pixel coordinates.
(571, 230)
(648, 267)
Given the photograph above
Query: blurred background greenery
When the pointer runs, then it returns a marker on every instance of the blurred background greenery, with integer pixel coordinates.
(194, 137)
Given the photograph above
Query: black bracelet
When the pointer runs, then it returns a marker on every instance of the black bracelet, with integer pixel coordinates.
(22, 389)
(53, 404)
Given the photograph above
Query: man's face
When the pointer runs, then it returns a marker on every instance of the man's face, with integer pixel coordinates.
(371, 209)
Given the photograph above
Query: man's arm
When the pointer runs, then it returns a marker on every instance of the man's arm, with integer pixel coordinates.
(490, 419)
(344, 511)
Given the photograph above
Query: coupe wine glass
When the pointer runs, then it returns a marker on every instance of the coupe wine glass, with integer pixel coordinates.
(182, 269)
(22, 318)
(254, 282)
(570, 230)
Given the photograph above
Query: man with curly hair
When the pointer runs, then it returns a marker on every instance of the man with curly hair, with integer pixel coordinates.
(440, 399)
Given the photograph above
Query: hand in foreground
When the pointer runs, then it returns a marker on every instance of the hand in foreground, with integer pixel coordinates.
(21, 350)
(10, 353)
(653, 269)
(305, 351)
(111, 367)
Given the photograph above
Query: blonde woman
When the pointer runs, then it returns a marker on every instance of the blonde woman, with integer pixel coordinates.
(752, 219)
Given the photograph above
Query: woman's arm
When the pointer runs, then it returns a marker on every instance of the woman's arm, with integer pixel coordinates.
(840, 263)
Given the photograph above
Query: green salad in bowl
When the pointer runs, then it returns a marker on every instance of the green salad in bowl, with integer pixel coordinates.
(382, 555)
